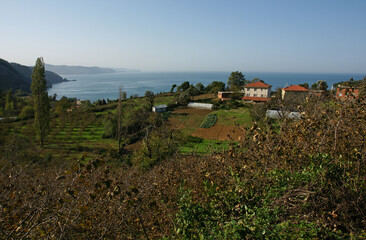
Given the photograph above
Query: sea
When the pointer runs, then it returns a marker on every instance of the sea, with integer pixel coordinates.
(106, 86)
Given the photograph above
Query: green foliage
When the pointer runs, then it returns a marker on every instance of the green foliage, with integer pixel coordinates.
(124, 96)
(247, 210)
(183, 98)
(320, 85)
(236, 81)
(200, 87)
(149, 98)
(201, 146)
(305, 85)
(173, 87)
(110, 128)
(192, 91)
(62, 105)
(209, 121)
(9, 103)
(27, 113)
(183, 87)
(41, 103)
(215, 87)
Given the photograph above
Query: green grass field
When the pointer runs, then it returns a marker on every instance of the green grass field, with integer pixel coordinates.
(204, 146)
(233, 117)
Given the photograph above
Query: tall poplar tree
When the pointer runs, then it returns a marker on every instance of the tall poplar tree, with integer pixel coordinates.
(119, 120)
(41, 103)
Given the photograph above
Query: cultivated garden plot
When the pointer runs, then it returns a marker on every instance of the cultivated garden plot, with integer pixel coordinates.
(221, 126)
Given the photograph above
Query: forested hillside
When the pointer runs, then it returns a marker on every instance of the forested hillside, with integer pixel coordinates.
(16, 76)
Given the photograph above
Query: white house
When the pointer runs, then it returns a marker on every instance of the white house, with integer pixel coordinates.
(257, 92)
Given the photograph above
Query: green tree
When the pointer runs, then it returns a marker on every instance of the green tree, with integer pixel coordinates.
(236, 81)
(149, 98)
(26, 113)
(119, 120)
(200, 87)
(9, 103)
(215, 87)
(172, 89)
(124, 96)
(192, 91)
(305, 85)
(185, 85)
(254, 80)
(62, 105)
(41, 102)
(320, 85)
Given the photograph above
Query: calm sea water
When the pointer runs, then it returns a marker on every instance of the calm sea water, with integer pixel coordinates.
(99, 86)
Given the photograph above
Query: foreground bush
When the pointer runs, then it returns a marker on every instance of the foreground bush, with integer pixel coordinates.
(300, 179)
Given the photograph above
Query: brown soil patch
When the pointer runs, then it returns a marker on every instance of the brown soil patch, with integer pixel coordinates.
(204, 96)
(219, 132)
(175, 123)
(196, 111)
(134, 146)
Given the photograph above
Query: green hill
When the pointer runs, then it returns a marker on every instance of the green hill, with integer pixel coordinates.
(17, 76)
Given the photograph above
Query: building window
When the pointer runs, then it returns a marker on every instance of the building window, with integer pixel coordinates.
(262, 95)
(254, 89)
(254, 95)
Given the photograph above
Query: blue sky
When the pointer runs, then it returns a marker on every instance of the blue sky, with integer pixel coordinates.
(198, 35)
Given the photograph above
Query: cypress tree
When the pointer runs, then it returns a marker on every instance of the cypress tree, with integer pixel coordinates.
(40, 100)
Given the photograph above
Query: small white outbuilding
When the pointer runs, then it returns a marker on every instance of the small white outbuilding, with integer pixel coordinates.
(159, 108)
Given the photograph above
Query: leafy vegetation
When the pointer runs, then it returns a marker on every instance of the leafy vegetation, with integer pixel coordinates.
(210, 120)
(236, 81)
(297, 179)
(40, 101)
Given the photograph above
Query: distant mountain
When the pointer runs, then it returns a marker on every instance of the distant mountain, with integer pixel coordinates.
(17, 76)
(71, 70)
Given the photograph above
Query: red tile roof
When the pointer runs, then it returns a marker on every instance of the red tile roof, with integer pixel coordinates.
(258, 84)
(295, 88)
(256, 99)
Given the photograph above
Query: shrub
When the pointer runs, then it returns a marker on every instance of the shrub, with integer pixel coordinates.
(27, 113)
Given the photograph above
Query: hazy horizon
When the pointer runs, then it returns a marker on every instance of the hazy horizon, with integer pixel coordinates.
(188, 36)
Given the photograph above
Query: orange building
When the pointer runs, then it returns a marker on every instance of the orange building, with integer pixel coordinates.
(347, 92)
(294, 92)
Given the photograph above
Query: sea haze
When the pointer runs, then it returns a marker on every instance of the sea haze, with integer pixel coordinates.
(98, 86)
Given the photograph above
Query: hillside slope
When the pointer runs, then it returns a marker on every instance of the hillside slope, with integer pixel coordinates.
(11, 78)
(17, 76)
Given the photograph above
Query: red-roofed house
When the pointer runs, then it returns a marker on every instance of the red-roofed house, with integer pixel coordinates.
(257, 92)
(347, 92)
(294, 92)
